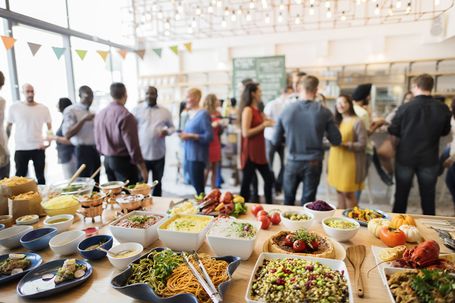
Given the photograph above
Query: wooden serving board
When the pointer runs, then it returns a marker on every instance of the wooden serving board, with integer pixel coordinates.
(428, 233)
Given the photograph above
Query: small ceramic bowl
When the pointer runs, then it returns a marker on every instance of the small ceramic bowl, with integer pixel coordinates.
(66, 243)
(297, 224)
(320, 215)
(10, 237)
(2, 226)
(341, 233)
(95, 254)
(27, 220)
(38, 239)
(122, 262)
(61, 222)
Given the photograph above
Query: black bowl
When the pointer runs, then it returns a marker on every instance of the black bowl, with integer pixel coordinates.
(142, 291)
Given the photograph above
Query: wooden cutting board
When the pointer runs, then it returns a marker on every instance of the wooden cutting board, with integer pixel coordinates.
(428, 233)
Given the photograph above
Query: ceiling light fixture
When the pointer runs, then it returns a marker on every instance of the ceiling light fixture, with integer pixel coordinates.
(408, 8)
(376, 10)
(248, 16)
(210, 9)
(280, 17)
(329, 13)
(252, 5)
(233, 17)
(267, 19)
(398, 4)
(297, 20)
(223, 22)
(343, 16)
(311, 9)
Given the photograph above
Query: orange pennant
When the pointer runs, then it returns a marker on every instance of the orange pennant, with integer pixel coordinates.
(122, 53)
(189, 47)
(8, 41)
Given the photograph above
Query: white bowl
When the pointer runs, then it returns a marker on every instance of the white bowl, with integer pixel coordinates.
(27, 220)
(332, 264)
(10, 237)
(340, 234)
(61, 226)
(66, 243)
(295, 225)
(226, 246)
(181, 240)
(320, 215)
(122, 263)
(140, 235)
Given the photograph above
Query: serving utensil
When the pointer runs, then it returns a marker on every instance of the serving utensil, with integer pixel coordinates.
(114, 254)
(173, 204)
(356, 256)
(206, 284)
(76, 174)
(95, 173)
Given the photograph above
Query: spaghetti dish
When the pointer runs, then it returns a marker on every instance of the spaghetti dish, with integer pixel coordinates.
(423, 286)
(139, 221)
(168, 275)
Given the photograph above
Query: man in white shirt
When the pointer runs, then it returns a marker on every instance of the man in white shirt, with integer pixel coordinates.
(273, 110)
(29, 118)
(154, 124)
(4, 154)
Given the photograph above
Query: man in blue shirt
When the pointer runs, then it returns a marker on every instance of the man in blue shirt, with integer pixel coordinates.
(303, 125)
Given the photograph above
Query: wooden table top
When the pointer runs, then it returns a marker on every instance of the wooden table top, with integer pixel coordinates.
(98, 288)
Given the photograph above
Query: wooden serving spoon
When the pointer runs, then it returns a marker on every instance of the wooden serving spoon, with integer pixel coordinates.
(356, 255)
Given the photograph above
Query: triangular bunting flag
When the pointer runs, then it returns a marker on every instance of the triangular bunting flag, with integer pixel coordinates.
(58, 51)
(122, 53)
(34, 47)
(157, 51)
(81, 53)
(8, 41)
(103, 54)
(140, 53)
(188, 46)
(174, 49)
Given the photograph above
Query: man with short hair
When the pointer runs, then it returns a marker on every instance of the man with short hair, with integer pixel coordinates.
(419, 125)
(154, 124)
(29, 118)
(273, 110)
(78, 127)
(116, 138)
(303, 124)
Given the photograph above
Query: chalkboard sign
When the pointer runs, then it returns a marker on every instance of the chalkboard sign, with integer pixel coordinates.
(270, 72)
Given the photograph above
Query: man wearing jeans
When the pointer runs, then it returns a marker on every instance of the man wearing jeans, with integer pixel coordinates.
(154, 124)
(29, 118)
(419, 125)
(304, 124)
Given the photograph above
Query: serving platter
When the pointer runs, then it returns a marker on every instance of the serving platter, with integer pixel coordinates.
(365, 224)
(32, 285)
(35, 260)
(340, 251)
(142, 291)
(331, 263)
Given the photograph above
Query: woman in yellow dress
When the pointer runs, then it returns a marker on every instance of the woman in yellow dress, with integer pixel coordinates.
(347, 162)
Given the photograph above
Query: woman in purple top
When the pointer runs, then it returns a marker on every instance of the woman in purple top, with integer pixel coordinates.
(197, 136)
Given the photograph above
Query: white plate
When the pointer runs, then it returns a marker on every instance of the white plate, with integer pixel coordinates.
(333, 264)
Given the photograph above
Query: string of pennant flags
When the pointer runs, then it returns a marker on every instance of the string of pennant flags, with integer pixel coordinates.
(9, 43)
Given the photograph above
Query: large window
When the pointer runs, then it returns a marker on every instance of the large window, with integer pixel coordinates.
(53, 11)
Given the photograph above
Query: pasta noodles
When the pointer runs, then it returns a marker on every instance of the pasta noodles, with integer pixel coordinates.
(182, 279)
(168, 275)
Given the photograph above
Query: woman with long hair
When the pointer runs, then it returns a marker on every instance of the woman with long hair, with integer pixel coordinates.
(450, 154)
(196, 136)
(211, 103)
(252, 156)
(346, 166)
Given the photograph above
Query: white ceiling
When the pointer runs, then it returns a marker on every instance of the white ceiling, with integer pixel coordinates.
(171, 20)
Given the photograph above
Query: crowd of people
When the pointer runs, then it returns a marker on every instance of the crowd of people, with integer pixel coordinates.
(298, 126)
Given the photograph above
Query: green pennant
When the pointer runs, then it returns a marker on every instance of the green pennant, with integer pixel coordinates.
(158, 51)
(81, 53)
(174, 49)
(58, 51)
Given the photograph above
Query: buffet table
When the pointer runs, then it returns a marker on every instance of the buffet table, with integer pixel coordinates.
(98, 288)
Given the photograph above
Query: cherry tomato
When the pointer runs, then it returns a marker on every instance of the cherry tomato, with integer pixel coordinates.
(315, 244)
(289, 240)
(276, 218)
(265, 222)
(299, 246)
(256, 208)
(392, 237)
(262, 213)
